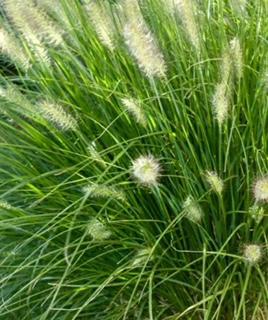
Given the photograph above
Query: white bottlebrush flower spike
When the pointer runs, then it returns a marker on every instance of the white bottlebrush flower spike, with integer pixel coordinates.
(215, 182)
(102, 191)
(10, 47)
(261, 189)
(186, 10)
(141, 257)
(192, 209)
(55, 113)
(252, 253)
(135, 109)
(31, 19)
(94, 154)
(142, 43)
(98, 230)
(237, 57)
(102, 22)
(146, 170)
(226, 67)
(256, 212)
(220, 103)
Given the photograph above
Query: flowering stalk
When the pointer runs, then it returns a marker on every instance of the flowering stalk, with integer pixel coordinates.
(260, 189)
(186, 10)
(98, 231)
(146, 170)
(133, 107)
(215, 182)
(10, 47)
(102, 22)
(94, 154)
(102, 191)
(142, 43)
(237, 57)
(29, 18)
(252, 253)
(193, 210)
(56, 114)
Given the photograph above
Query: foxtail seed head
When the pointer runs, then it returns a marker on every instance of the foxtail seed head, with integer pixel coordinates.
(146, 170)
(102, 22)
(141, 42)
(193, 210)
(134, 108)
(215, 182)
(220, 103)
(55, 113)
(261, 189)
(186, 10)
(10, 47)
(252, 253)
(237, 57)
(98, 230)
(102, 191)
(141, 257)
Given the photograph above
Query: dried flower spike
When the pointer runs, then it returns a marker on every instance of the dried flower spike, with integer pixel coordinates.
(215, 182)
(98, 230)
(193, 210)
(252, 253)
(261, 189)
(146, 170)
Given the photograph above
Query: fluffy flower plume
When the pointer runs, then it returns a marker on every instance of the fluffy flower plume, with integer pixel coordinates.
(55, 113)
(221, 103)
(186, 10)
(237, 57)
(98, 230)
(102, 191)
(215, 182)
(133, 107)
(18, 101)
(141, 42)
(102, 22)
(256, 212)
(261, 189)
(27, 17)
(226, 67)
(146, 170)
(193, 210)
(141, 257)
(10, 47)
(252, 253)
(94, 154)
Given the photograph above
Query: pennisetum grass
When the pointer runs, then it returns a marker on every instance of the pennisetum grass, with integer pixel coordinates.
(133, 160)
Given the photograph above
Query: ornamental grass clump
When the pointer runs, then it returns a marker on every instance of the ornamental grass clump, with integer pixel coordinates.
(133, 160)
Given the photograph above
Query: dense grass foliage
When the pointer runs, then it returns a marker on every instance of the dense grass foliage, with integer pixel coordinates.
(134, 160)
